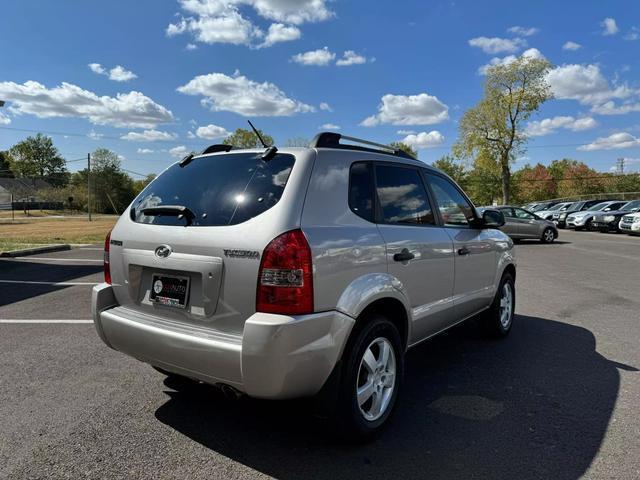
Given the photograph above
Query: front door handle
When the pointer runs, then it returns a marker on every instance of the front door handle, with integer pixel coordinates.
(404, 256)
(464, 251)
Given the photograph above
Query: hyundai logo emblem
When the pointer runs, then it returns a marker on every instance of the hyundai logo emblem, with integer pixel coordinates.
(163, 251)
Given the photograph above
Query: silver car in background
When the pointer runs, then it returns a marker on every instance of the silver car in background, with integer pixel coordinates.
(583, 219)
(521, 224)
(301, 272)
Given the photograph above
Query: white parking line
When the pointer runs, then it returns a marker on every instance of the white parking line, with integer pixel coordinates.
(93, 249)
(44, 321)
(55, 284)
(50, 259)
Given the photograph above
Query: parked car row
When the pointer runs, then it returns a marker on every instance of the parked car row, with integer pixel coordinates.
(522, 224)
(601, 215)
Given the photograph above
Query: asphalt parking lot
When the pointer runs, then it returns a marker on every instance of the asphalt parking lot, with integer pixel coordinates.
(558, 399)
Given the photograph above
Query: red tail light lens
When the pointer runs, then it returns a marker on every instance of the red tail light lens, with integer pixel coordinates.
(285, 279)
(107, 268)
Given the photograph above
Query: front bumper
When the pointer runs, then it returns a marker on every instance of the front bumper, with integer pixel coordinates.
(630, 227)
(277, 356)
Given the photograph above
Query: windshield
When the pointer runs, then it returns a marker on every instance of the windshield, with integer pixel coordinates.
(600, 206)
(631, 205)
(219, 190)
(556, 207)
(539, 207)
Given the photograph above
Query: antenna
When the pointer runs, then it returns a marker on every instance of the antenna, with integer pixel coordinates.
(258, 135)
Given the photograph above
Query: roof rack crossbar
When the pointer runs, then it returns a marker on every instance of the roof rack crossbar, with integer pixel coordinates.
(332, 140)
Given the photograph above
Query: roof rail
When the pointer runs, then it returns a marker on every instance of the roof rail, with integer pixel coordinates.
(218, 147)
(332, 140)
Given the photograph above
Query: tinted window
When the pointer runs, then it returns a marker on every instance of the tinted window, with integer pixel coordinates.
(219, 189)
(507, 212)
(454, 208)
(361, 190)
(402, 196)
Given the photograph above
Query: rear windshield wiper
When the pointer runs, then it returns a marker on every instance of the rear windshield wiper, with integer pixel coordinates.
(179, 211)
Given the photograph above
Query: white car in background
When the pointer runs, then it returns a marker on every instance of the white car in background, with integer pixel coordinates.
(582, 220)
(630, 224)
(547, 214)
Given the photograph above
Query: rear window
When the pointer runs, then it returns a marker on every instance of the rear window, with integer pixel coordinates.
(219, 190)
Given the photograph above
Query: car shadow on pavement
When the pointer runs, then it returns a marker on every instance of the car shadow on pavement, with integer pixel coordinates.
(37, 272)
(535, 405)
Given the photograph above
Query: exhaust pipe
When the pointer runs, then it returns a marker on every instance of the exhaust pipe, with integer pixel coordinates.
(230, 392)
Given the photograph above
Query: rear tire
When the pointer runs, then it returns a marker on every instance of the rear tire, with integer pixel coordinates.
(498, 319)
(548, 235)
(373, 365)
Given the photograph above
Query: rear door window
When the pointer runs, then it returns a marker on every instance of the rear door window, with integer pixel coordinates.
(219, 189)
(361, 190)
(402, 196)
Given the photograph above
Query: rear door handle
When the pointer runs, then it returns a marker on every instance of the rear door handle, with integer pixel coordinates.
(404, 256)
(464, 251)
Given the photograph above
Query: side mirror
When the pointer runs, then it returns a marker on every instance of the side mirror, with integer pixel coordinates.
(492, 218)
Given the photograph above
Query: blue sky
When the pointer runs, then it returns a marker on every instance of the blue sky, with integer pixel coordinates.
(153, 79)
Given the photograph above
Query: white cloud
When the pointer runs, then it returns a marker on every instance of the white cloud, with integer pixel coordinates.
(121, 74)
(131, 109)
(279, 32)
(243, 96)
(613, 142)
(584, 83)
(4, 120)
(609, 26)
(405, 132)
(633, 34)
(191, 46)
(117, 73)
(329, 126)
(424, 140)
(571, 46)
(321, 57)
(421, 109)
(220, 21)
(349, 57)
(523, 31)
(179, 151)
(149, 136)
(610, 108)
(529, 53)
(145, 151)
(496, 45)
(97, 68)
(212, 132)
(550, 125)
(326, 107)
(93, 135)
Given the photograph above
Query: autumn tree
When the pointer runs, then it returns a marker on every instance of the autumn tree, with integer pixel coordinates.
(242, 138)
(495, 126)
(535, 183)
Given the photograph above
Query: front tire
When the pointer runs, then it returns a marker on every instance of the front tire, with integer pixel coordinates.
(498, 319)
(548, 236)
(370, 383)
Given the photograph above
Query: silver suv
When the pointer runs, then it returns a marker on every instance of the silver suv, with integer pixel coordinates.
(301, 272)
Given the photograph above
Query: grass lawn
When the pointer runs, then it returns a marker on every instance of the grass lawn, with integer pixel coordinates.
(30, 232)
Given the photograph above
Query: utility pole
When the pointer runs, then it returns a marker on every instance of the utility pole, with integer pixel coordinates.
(620, 166)
(89, 184)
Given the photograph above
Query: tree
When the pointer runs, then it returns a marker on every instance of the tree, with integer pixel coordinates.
(111, 188)
(575, 178)
(405, 148)
(484, 182)
(5, 165)
(454, 169)
(242, 138)
(512, 93)
(38, 157)
(535, 183)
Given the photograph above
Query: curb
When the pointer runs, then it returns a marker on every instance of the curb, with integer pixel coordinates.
(36, 250)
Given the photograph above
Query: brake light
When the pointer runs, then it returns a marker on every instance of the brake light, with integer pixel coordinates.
(107, 268)
(285, 278)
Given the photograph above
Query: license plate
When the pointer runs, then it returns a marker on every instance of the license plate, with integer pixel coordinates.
(169, 290)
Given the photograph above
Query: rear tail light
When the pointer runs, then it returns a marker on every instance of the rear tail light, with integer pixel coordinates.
(107, 268)
(285, 278)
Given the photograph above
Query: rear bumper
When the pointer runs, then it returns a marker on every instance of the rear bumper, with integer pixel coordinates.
(277, 356)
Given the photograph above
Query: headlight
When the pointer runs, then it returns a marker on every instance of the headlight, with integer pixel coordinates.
(636, 220)
(608, 218)
(563, 216)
